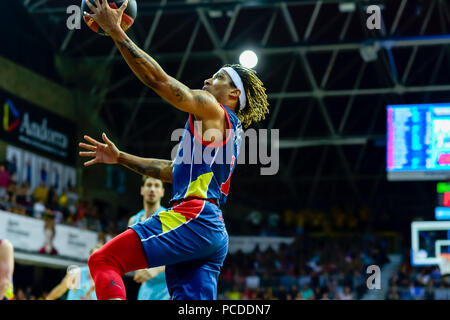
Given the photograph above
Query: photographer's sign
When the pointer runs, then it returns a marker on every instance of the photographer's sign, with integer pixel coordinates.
(36, 128)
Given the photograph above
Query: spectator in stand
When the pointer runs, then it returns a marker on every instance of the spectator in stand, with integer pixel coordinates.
(11, 190)
(24, 195)
(317, 293)
(358, 284)
(416, 291)
(429, 290)
(52, 198)
(4, 181)
(43, 174)
(304, 278)
(248, 294)
(62, 201)
(40, 193)
(300, 222)
(292, 292)
(268, 294)
(287, 280)
(20, 295)
(72, 200)
(442, 293)
(234, 294)
(307, 292)
(49, 230)
(346, 294)
(11, 166)
(325, 296)
(38, 209)
(227, 277)
(423, 277)
(238, 278)
(281, 293)
(43, 296)
(80, 217)
(28, 293)
(92, 219)
(252, 281)
(393, 293)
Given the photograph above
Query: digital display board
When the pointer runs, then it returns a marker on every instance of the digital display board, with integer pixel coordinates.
(418, 142)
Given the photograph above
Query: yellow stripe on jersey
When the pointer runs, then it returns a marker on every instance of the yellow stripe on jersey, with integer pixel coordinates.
(171, 219)
(10, 292)
(199, 187)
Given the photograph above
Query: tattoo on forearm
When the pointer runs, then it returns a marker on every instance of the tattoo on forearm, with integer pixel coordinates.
(140, 58)
(154, 168)
(132, 49)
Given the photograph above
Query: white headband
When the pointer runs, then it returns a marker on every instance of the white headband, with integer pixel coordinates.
(238, 83)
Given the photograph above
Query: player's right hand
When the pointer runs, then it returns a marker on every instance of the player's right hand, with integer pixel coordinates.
(102, 152)
(142, 275)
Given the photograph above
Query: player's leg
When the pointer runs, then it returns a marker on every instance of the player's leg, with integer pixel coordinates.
(120, 255)
(185, 233)
(195, 280)
(6, 266)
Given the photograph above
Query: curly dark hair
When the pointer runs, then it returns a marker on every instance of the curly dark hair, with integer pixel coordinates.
(257, 104)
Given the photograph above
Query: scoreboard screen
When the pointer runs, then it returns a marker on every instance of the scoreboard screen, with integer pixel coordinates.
(418, 142)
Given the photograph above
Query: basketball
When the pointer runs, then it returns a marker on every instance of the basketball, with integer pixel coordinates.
(128, 17)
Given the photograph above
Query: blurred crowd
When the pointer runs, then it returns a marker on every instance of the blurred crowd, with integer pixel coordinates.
(43, 202)
(28, 294)
(417, 283)
(307, 269)
(290, 222)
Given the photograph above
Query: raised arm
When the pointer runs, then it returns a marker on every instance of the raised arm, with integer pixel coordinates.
(108, 153)
(201, 103)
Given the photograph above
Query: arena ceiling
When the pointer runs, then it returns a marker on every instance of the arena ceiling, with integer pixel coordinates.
(328, 102)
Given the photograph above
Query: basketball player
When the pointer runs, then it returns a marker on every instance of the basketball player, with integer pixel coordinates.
(190, 238)
(82, 291)
(6, 269)
(153, 280)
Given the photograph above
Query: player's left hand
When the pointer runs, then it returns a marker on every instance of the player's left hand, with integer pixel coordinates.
(108, 19)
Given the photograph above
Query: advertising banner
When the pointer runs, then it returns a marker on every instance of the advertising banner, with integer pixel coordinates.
(37, 129)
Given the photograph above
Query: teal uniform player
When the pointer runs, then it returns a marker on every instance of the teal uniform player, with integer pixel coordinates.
(85, 289)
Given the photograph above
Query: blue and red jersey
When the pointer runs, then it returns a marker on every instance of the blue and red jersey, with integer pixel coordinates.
(203, 169)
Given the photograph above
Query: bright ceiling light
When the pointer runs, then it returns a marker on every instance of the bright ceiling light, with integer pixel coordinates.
(248, 59)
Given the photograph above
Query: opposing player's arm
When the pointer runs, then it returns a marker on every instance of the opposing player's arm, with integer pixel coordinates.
(146, 274)
(6, 266)
(60, 289)
(201, 103)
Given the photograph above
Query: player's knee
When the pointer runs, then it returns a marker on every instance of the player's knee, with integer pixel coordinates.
(94, 261)
(101, 260)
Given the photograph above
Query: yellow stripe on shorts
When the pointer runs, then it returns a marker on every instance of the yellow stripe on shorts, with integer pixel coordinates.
(171, 219)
